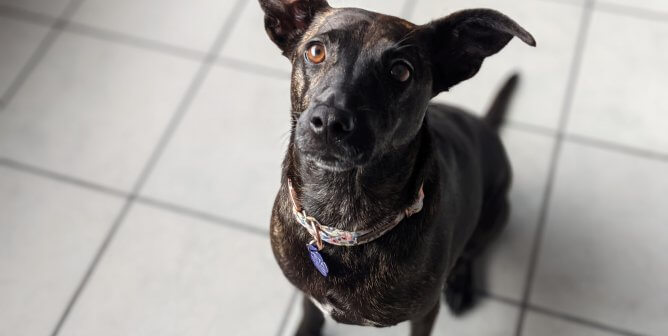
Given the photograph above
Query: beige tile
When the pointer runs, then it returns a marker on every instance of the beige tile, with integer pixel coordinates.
(94, 110)
(48, 7)
(192, 24)
(49, 234)
(620, 95)
(603, 255)
(225, 159)
(542, 325)
(19, 40)
(652, 5)
(165, 274)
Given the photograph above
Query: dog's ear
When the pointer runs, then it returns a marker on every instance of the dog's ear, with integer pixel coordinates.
(458, 43)
(287, 20)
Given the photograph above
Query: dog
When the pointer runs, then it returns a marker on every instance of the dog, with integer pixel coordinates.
(386, 200)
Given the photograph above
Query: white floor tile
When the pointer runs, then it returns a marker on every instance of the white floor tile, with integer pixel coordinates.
(652, 5)
(544, 68)
(49, 7)
(507, 259)
(490, 318)
(18, 40)
(603, 255)
(94, 110)
(49, 234)
(192, 24)
(226, 156)
(165, 274)
(250, 43)
(621, 92)
(542, 325)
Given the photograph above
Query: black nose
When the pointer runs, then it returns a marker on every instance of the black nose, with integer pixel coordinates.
(332, 122)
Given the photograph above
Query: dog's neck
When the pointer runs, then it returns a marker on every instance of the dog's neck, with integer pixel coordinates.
(359, 198)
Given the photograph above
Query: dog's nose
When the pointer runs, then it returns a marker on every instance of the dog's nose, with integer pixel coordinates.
(333, 122)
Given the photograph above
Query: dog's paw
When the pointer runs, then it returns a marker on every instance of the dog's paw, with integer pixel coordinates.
(459, 300)
(308, 333)
(309, 330)
(460, 291)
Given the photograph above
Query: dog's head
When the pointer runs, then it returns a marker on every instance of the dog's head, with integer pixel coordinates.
(361, 81)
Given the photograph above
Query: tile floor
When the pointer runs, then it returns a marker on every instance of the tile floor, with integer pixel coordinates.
(136, 183)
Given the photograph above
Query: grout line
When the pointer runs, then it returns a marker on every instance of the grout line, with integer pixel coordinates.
(102, 34)
(194, 86)
(202, 216)
(141, 42)
(554, 160)
(182, 210)
(556, 314)
(26, 168)
(481, 293)
(190, 94)
(588, 141)
(248, 67)
(91, 268)
(615, 147)
(135, 41)
(580, 321)
(40, 52)
(632, 11)
(530, 128)
(288, 311)
(26, 15)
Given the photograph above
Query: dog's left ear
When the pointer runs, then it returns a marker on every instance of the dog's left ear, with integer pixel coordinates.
(287, 20)
(459, 43)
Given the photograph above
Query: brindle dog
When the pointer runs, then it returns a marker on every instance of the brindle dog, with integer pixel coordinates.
(365, 141)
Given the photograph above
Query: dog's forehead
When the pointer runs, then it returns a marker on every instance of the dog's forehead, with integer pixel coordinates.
(373, 28)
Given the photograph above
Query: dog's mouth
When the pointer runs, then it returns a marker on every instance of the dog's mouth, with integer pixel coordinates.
(334, 153)
(335, 163)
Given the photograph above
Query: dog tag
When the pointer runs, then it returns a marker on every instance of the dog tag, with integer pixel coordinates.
(317, 260)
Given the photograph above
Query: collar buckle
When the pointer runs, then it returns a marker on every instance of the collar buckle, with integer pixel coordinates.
(315, 226)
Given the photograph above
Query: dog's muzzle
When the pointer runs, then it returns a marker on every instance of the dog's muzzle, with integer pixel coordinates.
(333, 138)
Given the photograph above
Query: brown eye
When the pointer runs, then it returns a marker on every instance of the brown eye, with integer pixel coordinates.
(316, 53)
(401, 71)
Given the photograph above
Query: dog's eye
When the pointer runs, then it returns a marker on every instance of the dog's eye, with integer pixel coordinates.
(401, 71)
(315, 53)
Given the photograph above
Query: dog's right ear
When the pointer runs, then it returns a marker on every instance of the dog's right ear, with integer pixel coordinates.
(461, 41)
(287, 20)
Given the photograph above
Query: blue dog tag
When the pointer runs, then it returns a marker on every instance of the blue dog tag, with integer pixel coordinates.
(317, 260)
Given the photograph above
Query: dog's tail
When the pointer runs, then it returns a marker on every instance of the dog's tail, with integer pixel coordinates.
(497, 112)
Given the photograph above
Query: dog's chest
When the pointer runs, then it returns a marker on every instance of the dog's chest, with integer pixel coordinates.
(330, 310)
(377, 284)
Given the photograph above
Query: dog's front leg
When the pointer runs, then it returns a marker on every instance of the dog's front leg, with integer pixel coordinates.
(422, 326)
(312, 319)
